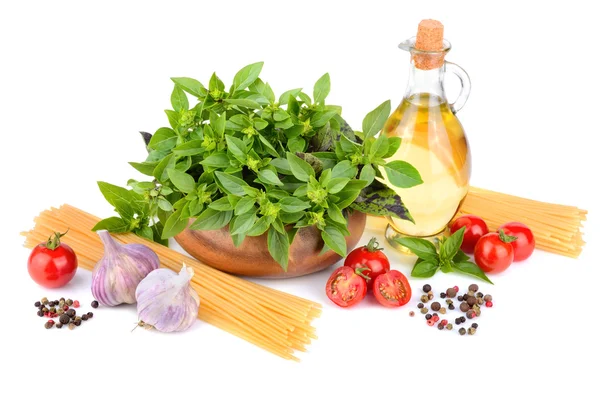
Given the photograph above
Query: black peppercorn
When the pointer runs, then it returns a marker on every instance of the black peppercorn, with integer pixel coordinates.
(451, 293)
(457, 321)
(37, 304)
(51, 303)
(428, 316)
(64, 319)
(451, 306)
(90, 314)
(464, 307)
(94, 304)
(465, 297)
(59, 325)
(463, 319)
(442, 295)
(40, 313)
(71, 313)
(475, 325)
(77, 322)
(85, 316)
(460, 298)
(435, 306)
(420, 305)
(426, 288)
(441, 326)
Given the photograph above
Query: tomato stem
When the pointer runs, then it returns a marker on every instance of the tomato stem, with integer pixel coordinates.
(506, 238)
(373, 245)
(54, 240)
(360, 271)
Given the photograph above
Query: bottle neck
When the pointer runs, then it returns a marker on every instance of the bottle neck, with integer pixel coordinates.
(426, 82)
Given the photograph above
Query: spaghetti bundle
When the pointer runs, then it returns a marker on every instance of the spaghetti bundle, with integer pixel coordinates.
(271, 319)
(557, 228)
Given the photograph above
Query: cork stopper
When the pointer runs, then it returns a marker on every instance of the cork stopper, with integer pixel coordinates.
(430, 38)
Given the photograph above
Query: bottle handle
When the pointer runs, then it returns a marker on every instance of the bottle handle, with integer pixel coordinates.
(465, 86)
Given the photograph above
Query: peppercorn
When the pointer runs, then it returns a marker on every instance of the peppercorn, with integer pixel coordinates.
(475, 325)
(49, 324)
(61, 302)
(60, 311)
(451, 293)
(479, 301)
(37, 304)
(472, 300)
(456, 288)
(473, 287)
(58, 325)
(460, 298)
(40, 313)
(76, 304)
(440, 326)
(69, 302)
(430, 323)
(95, 304)
(470, 293)
(457, 321)
(451, 306)
(428, 317)
(430, 295)
(77, 322)
(444, 322)
(64, 318)
(71, 326)
(51, 303)
(424, 310)
(90, 314)
(71, 313)
(76, 318)
(479, 295)
(449, 327)
(443, 310)
(424, 298)
(65, 307)
(435, 306)
(442, 295)
(435, 317)
(449, 301)
(471, 314)
(463, 319)
(426, 288)
(477, 310)
(44, 301)
(487, 298)
(420, 305)
(45, 309)
(472, 330)
(85, 316)
(464, 307)
(489, 304)
(465, 297)
(52, 310)
(462, 331)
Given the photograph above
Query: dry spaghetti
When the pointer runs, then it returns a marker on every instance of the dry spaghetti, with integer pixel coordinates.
(271, 319)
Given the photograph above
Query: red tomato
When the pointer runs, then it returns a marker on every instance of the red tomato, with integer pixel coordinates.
(392, 289)
(369, 260)
(52, 264)
(475, 227)
(524, 244)
(494, 252)
(346, 287)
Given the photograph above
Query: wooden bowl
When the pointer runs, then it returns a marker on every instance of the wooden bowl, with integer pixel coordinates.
(215, 248)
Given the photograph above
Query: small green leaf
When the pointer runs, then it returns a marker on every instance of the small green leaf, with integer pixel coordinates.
(145, 168)
(179, 100)
(300, 168)
(375, 119)
(450, 247)
(190, 148)
(425, 269)
(216, 160)
(269, 177)
(212, 220)
(165, 205)
(246, 103)
(319, 119)
(126, 202)
(215, 84)
(280, 115)
(336, 185)
(268, 147)
(279, 245)
(244, 205)
(461, 257)
(174, 225)
(261, 226)
(394, 143)
(422, 248)
(336, 214)
(334, 240)
(284, 98)
(241, 224)
(367, 173)
(379, 148)
(246, 76)
(402, 174)
(218, 123)
(344, 169)
(160, 172)
(237, 148)
(471, 269)
(296, 145)
(282, 166)
(113, 224)
(182, 181)
(145, 232)
(222, 204)
(321, 89)
(293, 204)
(231, 184)
(191, 86)
(163, 139)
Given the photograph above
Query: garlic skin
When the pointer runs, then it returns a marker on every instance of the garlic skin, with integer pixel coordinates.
(118, 273)
(167, 301)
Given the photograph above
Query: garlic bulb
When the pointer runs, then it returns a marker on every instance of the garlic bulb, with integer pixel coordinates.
(118, 273)
(167, 301)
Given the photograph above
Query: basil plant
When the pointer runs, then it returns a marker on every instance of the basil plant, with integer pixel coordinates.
(256, 162)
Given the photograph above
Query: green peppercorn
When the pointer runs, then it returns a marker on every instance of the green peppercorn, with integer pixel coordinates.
(52, 310)
(60, 311)
(451, 292)
(424, 298)
(64, 319)
(449, 327)
(420, 305)
(435, 306)
(477, 311)
(480, 301)
(464, 307)
(69, 302)
(443, 310)
(473, 287)
(77, 318)
(472, 331)
(45, 309)
(424, 310)
(449, 301)
(44, 301)
(487, 298)
(470, 293)
(479, 295)
(426, 288)
(71, 326)
(462, 331)
(430, 295)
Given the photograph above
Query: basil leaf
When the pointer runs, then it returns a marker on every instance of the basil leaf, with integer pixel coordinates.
(113, 224)
(145, 232)
(173, 117)
(238, 239)
(335, 185)
(379, 148)
(163, 139)
(160, 172)
(218, 123)
(269, 177)
(191, 86)
(402, 174)
(344, 169)
(279, 245)
(215, 83)
(367, 173)
(336, 214)
(281, 165)
(296, 145)
(446, 266)
(260, 227)
(145, 168)
(231, 184)
(393, 145)
(246, 76)
(247, 103)
(450, 247)
(174, 225)
(237, 148)
(471, 269)
(190, 148)
(319, 119)
(425, 269)
(126, 202)
(375, 119)
(165, 205)
(290, 218)
(182, 181)
(461, 257)
(284, 98)
(212, 220)
(268, 147)
(350, 193)
(243, 223)
(300, 168)
(179, 100)
(244, 205)
(217, 160)
(222, 204)
(293, 204)
(334, 240)
(422, 248)
(280, 115)
(322, 88)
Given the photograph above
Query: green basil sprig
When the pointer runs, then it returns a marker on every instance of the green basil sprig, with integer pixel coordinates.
(448, 257)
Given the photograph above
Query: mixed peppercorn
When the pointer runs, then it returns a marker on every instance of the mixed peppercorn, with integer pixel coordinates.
(470, 304)
(64, 309)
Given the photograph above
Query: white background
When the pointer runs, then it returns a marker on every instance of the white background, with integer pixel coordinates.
(78, 80)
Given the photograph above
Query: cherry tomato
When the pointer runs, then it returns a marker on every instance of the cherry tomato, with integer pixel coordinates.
(494, 252)
(475, 227)
(52, 264)
(392, 289)
(346, 287)
(524, 244)
(369, 260)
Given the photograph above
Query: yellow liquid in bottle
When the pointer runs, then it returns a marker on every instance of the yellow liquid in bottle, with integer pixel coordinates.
(434, 142)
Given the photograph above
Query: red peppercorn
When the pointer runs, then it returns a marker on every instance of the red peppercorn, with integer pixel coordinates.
(435, 318)
(489, 304)
(430, 322)
(75, 304)
(444, 322)
(456, 288)
(51, 321)
(65, 307)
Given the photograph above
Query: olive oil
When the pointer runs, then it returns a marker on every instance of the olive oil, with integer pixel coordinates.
(434, 142)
